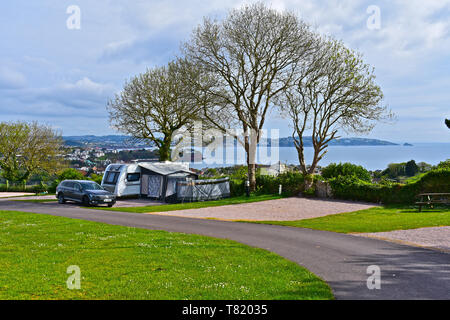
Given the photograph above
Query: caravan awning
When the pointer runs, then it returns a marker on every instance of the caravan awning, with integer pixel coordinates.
(166, 169)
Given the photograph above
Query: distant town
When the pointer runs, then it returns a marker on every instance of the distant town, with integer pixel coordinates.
(92, 154)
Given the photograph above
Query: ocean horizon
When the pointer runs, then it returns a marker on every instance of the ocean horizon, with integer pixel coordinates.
(370, 157)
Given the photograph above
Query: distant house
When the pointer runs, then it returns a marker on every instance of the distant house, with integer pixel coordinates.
(272, 170)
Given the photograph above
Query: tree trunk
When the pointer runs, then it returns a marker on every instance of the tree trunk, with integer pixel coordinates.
(309, 181)
(252, 176)
(315, 160)
(164, 150)
(250, 148)
(308, 173)
(301, 159)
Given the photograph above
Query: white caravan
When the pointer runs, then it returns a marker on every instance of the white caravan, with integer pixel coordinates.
(150, 179)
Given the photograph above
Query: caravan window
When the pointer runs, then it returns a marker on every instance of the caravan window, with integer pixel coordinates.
(112, 177)
(132, 177)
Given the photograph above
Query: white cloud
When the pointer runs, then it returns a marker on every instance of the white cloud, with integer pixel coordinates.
(11, 79)
(85, 85)
(63, 99)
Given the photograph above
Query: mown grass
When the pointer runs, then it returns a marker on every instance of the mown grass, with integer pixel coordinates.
(129, 263)
(193, 205)
(377, 219)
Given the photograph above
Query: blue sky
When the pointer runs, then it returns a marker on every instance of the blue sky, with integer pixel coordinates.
(64, 77)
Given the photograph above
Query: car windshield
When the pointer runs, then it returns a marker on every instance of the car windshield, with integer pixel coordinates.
(91, 186)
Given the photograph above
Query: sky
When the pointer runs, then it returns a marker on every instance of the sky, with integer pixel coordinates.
(63, 76)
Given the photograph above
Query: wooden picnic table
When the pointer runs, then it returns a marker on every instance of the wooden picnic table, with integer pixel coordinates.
(432, 199)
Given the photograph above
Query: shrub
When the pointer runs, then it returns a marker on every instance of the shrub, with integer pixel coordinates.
(411, 168)
(292, 183)
(40, 188)
(237, 187)
(352, 188)
(239, 173)
(21, 188)
(70, 174)
(444, 164)
(311, 192)
(96, 178)
(346, 170)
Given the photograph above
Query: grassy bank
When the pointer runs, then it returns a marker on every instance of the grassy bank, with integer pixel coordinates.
(378, 219)
(194, 205)
(128, 263)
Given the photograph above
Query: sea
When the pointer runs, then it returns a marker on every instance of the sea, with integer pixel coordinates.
(370, 157)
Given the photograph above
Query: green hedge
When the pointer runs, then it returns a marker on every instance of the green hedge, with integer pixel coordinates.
(292, 183)
(352, 188)
(237, 187)
(334, 170)
(20, 188)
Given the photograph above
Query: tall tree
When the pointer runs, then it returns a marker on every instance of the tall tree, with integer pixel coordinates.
(253, 54)
(411, 168)
(155, 104)
(334, 91)
(28, 148)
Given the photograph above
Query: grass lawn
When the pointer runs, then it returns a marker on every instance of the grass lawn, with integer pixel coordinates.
(375, 220)
(129, 263)
(194, 205)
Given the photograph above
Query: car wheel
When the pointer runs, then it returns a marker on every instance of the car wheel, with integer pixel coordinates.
(86, 202)
(61, 199)
(110, 205)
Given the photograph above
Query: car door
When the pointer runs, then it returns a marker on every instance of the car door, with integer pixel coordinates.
(68, 190)
(77, 192)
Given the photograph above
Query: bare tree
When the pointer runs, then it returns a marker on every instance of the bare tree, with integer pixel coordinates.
(335, 90)
(253, 54)
(28, 148)
(155, 104)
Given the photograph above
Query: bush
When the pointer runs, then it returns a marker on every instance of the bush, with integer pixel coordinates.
(346, 170)
(70, 174)
(96, 178)
(11, 188)
(444, 164)
(20, 188)
(292, 183)
(411, 168)
(237, 187)
(40, 188)
(352, 188)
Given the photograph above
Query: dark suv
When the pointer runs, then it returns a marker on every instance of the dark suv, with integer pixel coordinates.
(86, 192)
